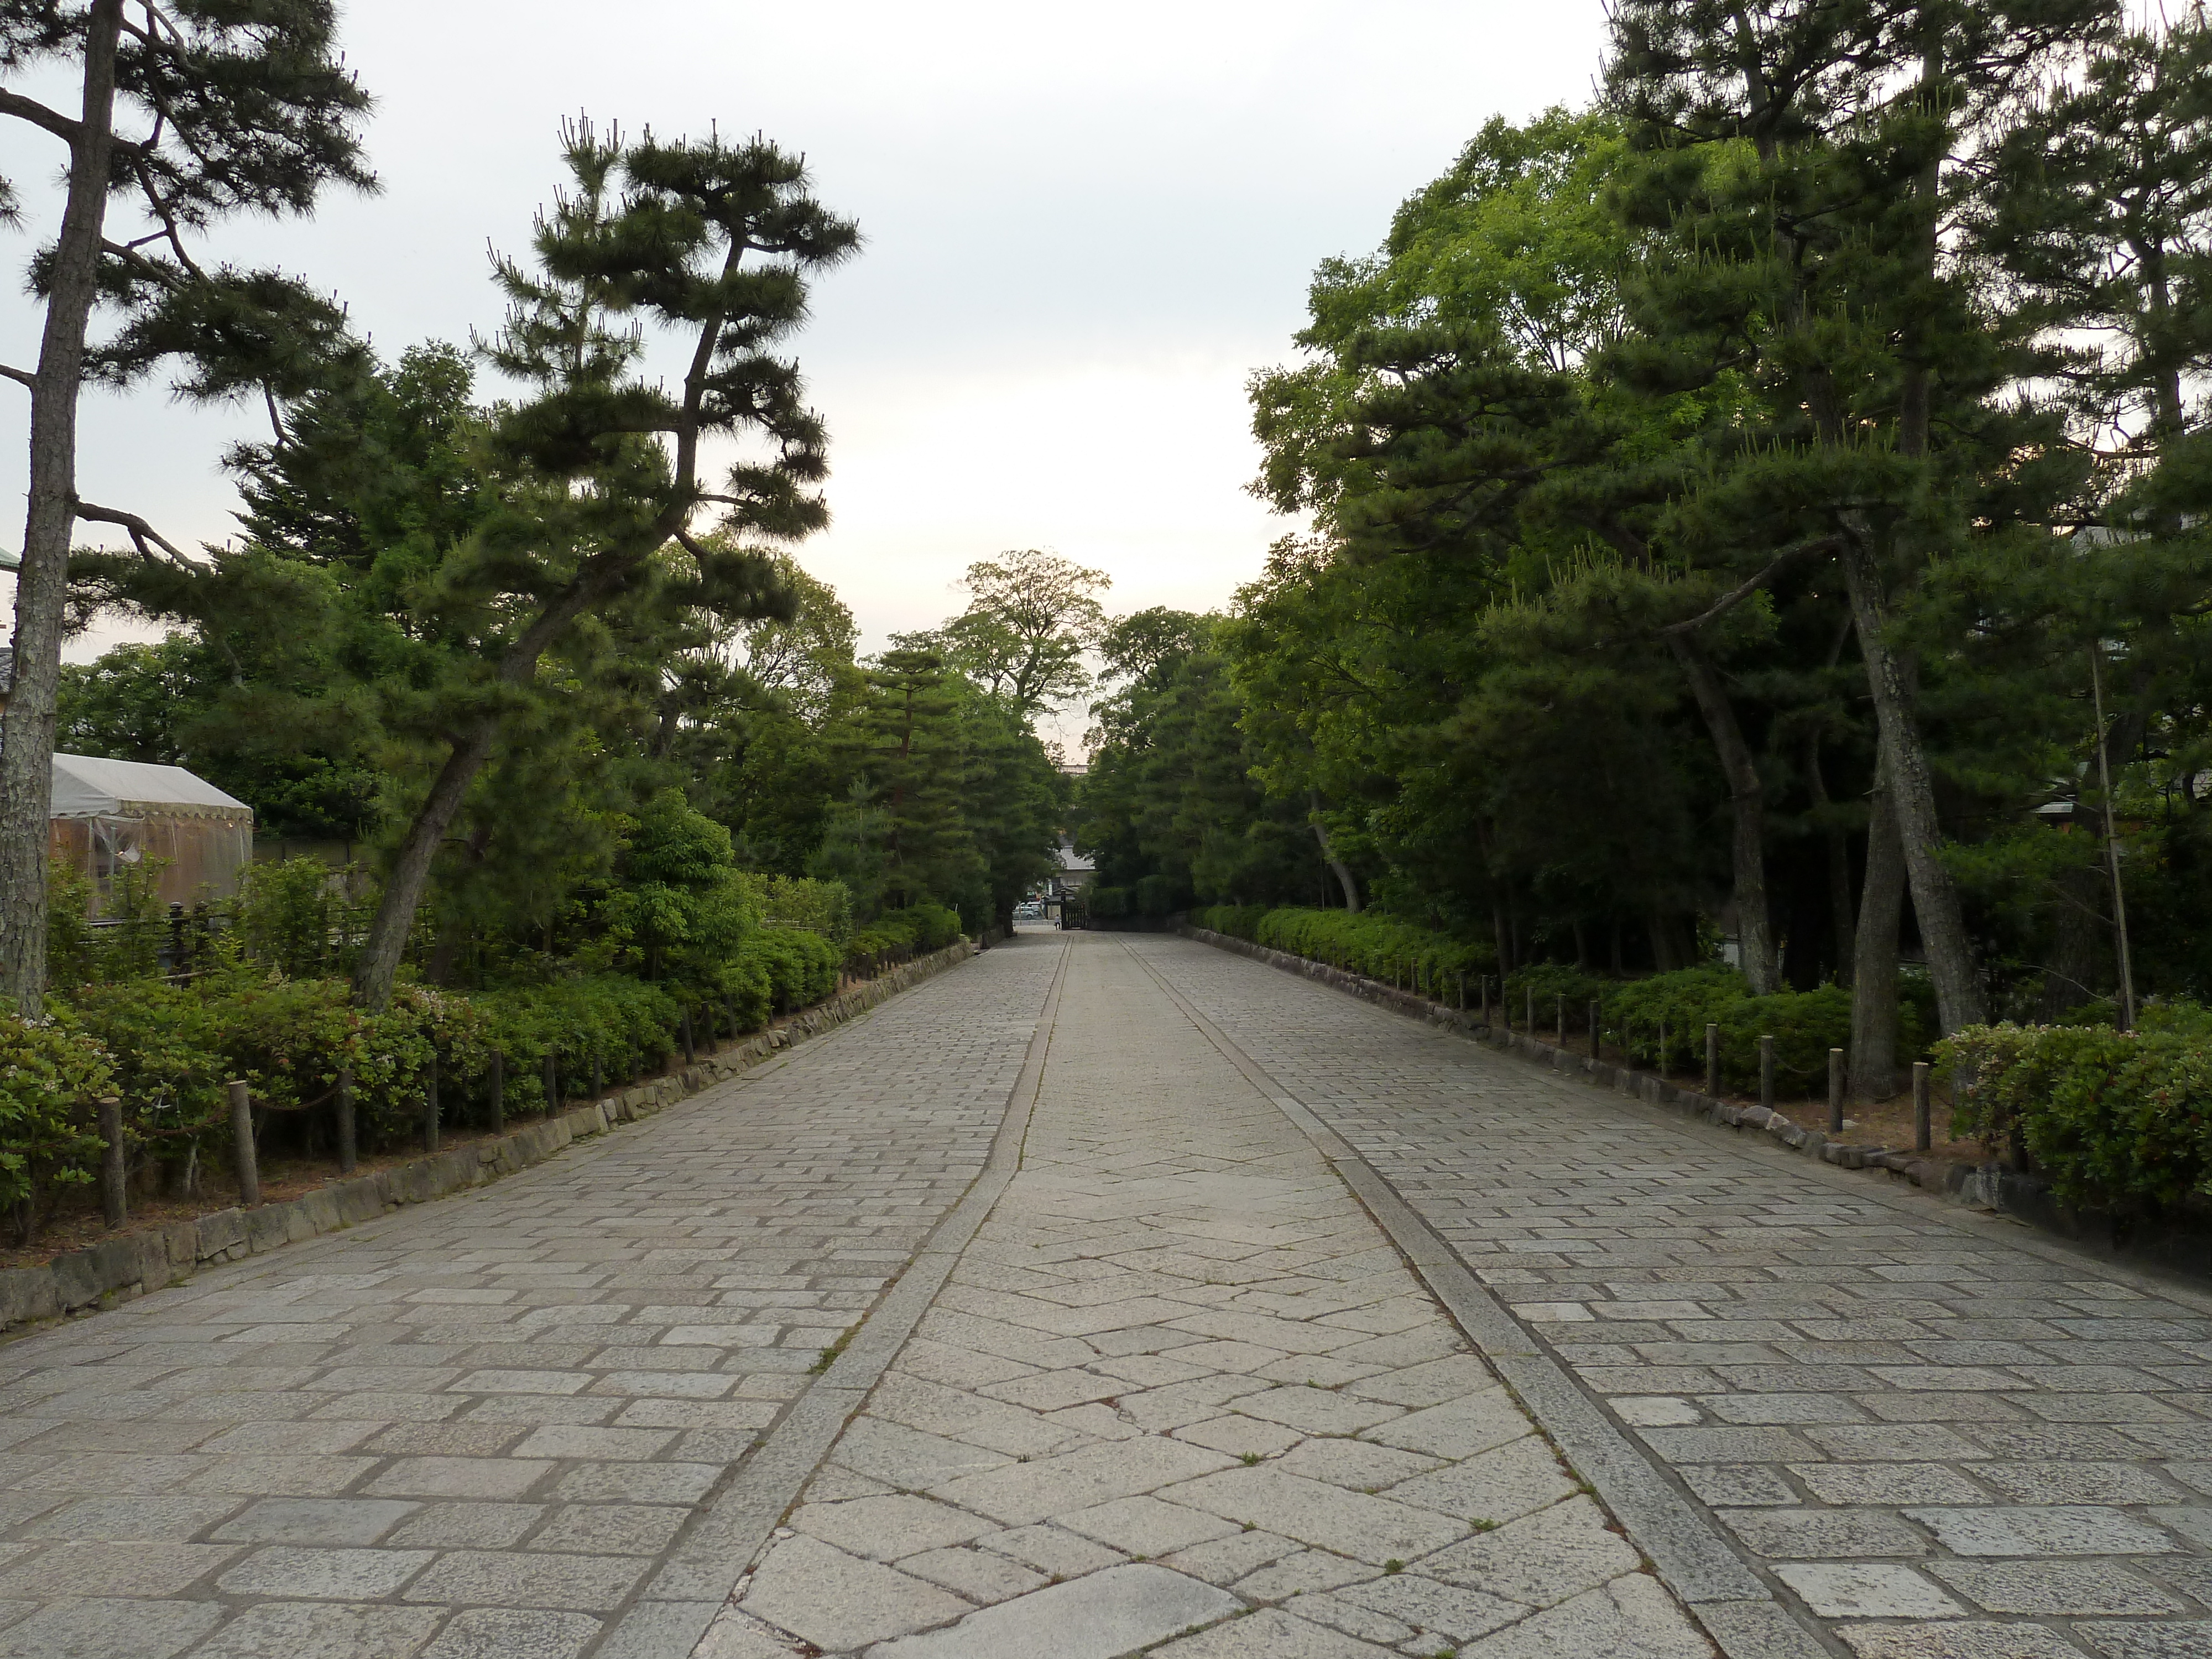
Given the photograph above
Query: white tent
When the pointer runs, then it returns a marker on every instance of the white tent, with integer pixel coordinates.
(110, 816)
(86, 787)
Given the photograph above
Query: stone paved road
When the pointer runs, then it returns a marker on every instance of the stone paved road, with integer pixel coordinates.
(1180, 1381)
(485, 1427)
(1938, 1437)
(1175, 1391)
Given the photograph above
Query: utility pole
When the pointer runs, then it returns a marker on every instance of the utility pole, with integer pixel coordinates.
(2112, 842)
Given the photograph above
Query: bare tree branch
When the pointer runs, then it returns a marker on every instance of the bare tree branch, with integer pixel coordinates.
(29, 109)
(21, 376)
(144, 536)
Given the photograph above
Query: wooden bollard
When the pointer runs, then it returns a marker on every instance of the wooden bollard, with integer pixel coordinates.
(241, 1135)
(1835, 1091)
(348, 1150)
(1560, 1015)
(1713, 1061)
(497, 1087)
(430, 1105)
(1463, 990)
(1922, 1133)
(552, 1083)
(1766, 1073)
(598, 1075)
(1596, 1031)
(1662, 1051)
(113, 1206)
(690, 1048)
(1530, 1013)
(1482, 984)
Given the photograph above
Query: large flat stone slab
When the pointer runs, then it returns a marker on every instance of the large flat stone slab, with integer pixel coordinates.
(1103, 1616)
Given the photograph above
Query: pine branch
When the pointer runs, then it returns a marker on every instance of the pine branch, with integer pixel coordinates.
(1737, 595)
(144, 536)
(29, 109)
(21, 376)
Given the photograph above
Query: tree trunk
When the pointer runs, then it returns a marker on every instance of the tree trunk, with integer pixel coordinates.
(410, 870)
(1913, 799)
(1343, 871)
(1504, 939)
(27, 739)
(1747, 805)
(1873, 1063)
(1839, 866)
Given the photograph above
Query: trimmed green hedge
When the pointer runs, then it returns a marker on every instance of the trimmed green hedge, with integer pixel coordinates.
(170, 1050)
(1367, 942)
(1804, 1024)
(2118, 1120)
(47, 1073)
(917, 930)
(1237, 921)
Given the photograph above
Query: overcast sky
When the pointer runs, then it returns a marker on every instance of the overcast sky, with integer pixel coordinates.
(1084, 228)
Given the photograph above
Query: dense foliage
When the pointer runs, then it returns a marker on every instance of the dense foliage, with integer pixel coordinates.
(572, 754)
(1750, 518)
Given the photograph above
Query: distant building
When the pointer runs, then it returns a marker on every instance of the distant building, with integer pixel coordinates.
(1075, 870)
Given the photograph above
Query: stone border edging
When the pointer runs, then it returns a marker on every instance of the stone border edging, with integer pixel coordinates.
(1696, 1565)
(131, 1264)
(717, 1555)
(1971, 1186)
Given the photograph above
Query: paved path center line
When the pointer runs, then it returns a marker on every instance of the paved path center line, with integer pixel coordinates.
(1180, 1389)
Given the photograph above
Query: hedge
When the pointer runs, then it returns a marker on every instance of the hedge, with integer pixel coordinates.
(170, 1050)
(917, 930)
(1804, 1024)
(1237, 921)
(2116, 1121)
(46, 1074)
(1363, 942)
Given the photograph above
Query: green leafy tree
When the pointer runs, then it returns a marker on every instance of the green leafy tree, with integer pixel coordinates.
(605, 462)
(1030, 617)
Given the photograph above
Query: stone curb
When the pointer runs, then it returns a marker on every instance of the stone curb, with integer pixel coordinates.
(1990, 1186)
(1687, 1551)
(717, 1556)
(128, 1265)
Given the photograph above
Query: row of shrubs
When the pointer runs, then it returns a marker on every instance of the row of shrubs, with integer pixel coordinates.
(1363, 942)
(169, 1050)
(1634, 1014)
(2115, 1121)
(917, 930)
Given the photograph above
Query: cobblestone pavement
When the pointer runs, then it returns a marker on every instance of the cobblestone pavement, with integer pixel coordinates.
(489, 1425)
(1937, 1437)
(1180, 1381)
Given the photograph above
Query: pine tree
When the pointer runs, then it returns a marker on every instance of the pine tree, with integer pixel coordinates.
(192, 112)
(714, 242)
(1815, 271)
